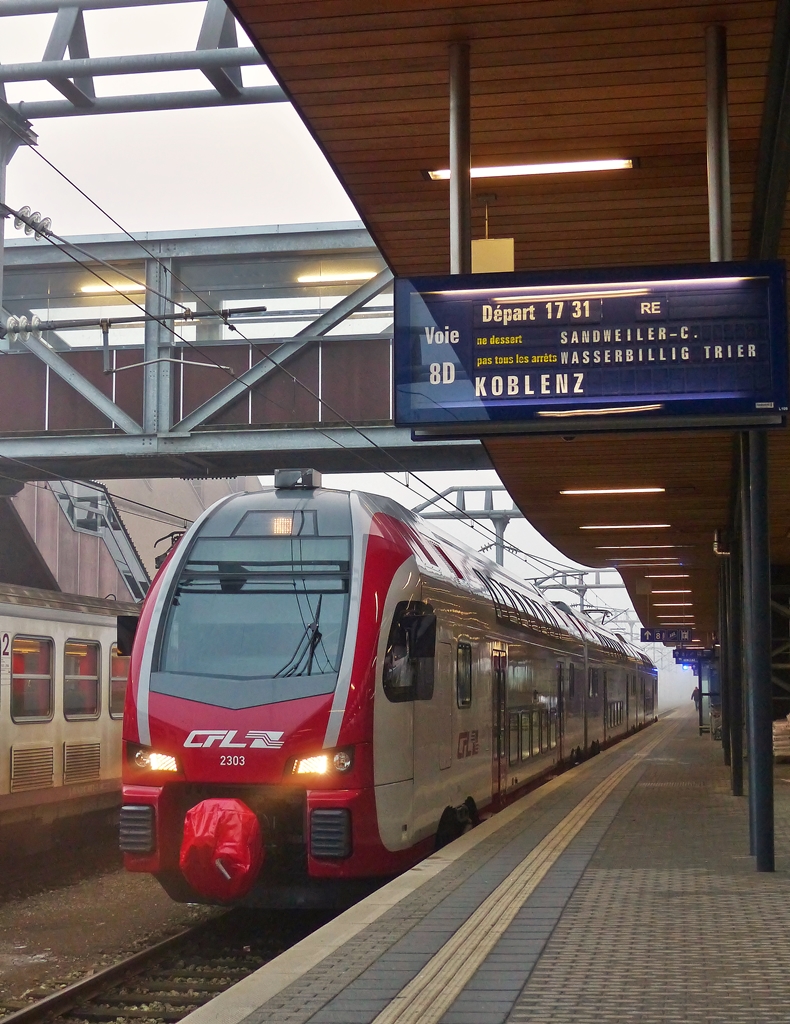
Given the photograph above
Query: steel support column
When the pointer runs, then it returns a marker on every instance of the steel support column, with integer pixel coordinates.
(747, 615)
(761, 767)
(735, 661)
(718, 144)
(724, 665)
(158, 348)
(460, 161)
(14, 132)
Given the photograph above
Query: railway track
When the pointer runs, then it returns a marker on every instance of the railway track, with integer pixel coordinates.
(164, 983)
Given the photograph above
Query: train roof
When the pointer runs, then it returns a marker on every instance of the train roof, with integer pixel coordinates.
(32, 597)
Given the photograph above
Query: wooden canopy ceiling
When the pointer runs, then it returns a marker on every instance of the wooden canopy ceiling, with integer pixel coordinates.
(551, 79)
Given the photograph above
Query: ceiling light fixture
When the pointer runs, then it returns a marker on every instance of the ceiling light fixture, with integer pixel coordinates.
(518, 170)
(629, 526)
(353, 275)
(616, 490)
(109, 289)
(671, 591)
(670, 576)
(636, 547)
(673, 604)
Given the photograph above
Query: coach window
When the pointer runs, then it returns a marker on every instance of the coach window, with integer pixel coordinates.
(31, 679)
(411, 650)
(592, 685)
(513, 731)
(119, 676)
(571, 681)
(81, 679)
(463, 676)
(535, 715)
(526, 745)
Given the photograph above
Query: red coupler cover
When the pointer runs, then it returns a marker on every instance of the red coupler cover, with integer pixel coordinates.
(222, 851)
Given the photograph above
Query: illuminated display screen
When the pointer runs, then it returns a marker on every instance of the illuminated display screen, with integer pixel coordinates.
(630, 348)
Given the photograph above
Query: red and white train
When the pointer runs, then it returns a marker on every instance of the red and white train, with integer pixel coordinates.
(322, 684)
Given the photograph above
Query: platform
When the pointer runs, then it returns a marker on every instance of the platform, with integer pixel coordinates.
(622, 890)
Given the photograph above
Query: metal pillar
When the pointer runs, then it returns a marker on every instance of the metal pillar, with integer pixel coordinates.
(724, 665)
(718, 144)
(15, 131)
(761, 767)
(460, 162)
(747, 619)
(158, 348)
(735, 661)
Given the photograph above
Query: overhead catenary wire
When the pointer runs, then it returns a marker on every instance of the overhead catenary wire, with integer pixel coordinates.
(473, 524)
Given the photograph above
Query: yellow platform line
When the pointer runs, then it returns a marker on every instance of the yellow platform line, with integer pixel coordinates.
(430, 994)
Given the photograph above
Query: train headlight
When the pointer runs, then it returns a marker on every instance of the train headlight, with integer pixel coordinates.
(322, 764)
(318, 765)
(152, 761)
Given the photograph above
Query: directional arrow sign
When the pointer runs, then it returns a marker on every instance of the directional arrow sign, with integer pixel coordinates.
(677, 635)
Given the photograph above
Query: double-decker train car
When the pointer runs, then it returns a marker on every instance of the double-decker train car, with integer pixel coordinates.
(322, 683)
(62, 691)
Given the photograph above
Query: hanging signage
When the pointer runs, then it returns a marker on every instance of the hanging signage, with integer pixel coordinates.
(634, 348)
(692, 656)
(675, 635)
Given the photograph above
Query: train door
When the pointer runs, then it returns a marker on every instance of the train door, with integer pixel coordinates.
(605, 705)
(432, 731)
(443, 695)
(499, 719)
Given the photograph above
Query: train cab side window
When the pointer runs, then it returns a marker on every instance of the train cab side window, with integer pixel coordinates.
(463, 676)
(81, 661)
(31, 679)
(410, 654)
(119, 676)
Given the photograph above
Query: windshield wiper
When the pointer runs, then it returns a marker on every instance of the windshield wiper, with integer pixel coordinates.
(312, 634)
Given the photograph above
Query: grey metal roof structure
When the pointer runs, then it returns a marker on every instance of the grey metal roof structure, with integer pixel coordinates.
(307, 380)
(217, 55)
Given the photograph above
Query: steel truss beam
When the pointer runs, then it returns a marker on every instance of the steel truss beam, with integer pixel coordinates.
(381, 449)
(332, 318)
(217, 55)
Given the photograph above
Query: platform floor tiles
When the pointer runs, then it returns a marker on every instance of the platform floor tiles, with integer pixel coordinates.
(621, 892)
(670, 921)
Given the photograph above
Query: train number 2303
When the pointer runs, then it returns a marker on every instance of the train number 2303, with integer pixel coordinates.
(232, 759)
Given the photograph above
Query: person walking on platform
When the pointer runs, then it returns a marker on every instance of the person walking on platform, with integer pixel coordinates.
(695, 696)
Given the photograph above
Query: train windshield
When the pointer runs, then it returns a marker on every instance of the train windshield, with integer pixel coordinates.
(265, 614)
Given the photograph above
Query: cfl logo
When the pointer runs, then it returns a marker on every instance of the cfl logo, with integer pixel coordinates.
(226, 737)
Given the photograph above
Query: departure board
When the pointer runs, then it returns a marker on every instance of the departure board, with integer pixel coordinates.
(632, 348)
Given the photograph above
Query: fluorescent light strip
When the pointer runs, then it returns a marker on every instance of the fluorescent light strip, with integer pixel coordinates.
(111, 289)
(671, 591)
(673, 604)
(617, 490)
(636, 547)
(629, 526)
(336, 278)
(626, 409)
(513, 170)
(670, 576)
(567, 296)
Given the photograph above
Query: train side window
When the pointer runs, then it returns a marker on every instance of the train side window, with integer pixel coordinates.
(410, 654)
(526, 745)
(463, 676)
(119, 676)
(513, 736)
(31, 679)
(571, 681)
(81, 661)
(535, 715)
(592, 682)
